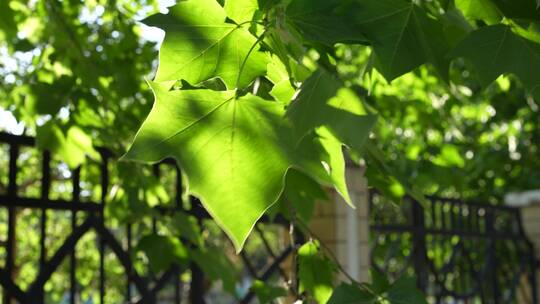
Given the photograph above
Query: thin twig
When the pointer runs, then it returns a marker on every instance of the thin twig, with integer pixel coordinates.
(294, 254)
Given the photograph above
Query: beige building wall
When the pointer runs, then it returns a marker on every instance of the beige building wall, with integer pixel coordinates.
(344, 230)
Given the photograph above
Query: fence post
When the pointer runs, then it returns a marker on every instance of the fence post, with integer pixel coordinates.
(534, 279)
(419, 243)
(491, 254)
(12, 219)
(196, 291)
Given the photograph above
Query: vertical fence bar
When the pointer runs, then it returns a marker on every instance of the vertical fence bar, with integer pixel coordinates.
(76, 180)
(534, 268)
(177, 297)
(104, 168)
(419, 243)
(178, 198)
(45, 189)
(128, 269)
(492, 256)
(196, 291)
(178, 187)
(157, 174)
(12, 218)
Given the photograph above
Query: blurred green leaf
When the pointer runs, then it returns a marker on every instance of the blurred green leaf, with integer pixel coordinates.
(265, 293)
(215, 264)
(162, 251)
(315, 272)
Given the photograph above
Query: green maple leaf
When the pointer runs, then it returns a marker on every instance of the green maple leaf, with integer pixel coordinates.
(334, 162)
(230, 149)
(200, 45)
(234, 151)
(496, 50)
(405, 291)
(282, 91)
(351, 294)
(338, 117)
(403, 36)
(324, 21)
(323, 101)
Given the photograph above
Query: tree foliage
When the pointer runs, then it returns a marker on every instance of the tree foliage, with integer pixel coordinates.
(259, 100)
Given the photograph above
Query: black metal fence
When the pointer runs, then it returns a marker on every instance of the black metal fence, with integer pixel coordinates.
(459, 252)
(113, 243)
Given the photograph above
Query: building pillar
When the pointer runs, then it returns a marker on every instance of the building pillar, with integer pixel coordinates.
(529, 204)
(530, 215)
(344, 230)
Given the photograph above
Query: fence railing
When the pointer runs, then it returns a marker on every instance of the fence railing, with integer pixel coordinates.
(90, 229)
(459, 252)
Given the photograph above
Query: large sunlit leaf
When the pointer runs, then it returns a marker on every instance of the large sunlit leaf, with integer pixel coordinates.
(241, 11)
(232, 151)
(199, 45)
(496, 50)
(403, 36)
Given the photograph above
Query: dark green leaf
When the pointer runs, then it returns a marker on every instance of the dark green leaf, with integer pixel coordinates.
(215, 264)
(496, 50)
(404, 291)
(519, 9)
(351, 294)
(403, 36)
(324, 21)
(380, 282)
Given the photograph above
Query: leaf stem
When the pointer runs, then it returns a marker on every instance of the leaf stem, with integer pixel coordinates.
(259, 39)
